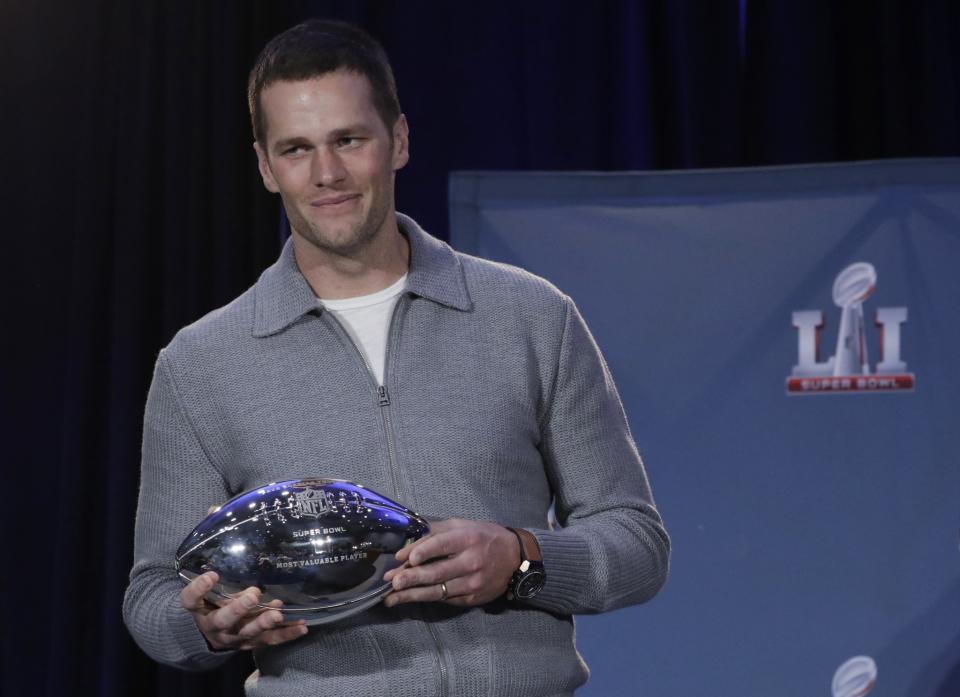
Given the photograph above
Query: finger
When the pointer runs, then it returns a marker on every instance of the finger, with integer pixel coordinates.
(193, 594)
(231, 614)
(432, 573)
(418, 594)
(394, 571)
(403, 554)
(276, 604)
(277, 636)
(442, 544)
(213, 509)
(264, 622)
(436, 527)
(472, 590)
(268, 617)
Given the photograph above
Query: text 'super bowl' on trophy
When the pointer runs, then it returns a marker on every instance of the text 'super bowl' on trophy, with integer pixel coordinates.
(321, 546)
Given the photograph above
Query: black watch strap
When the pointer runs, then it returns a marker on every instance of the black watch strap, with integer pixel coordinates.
(523, 553)
(529, 578)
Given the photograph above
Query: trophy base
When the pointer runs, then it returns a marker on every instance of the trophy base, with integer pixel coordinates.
(335, 614)
(313, 616)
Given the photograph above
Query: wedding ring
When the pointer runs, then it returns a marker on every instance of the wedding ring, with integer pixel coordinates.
(443, 591)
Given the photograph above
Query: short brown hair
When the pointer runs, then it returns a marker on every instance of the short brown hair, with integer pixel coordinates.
(317, 47)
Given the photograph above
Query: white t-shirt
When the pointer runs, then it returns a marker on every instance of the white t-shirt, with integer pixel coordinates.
(367, 320)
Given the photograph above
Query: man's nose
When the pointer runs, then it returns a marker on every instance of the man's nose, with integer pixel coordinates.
(328, 168)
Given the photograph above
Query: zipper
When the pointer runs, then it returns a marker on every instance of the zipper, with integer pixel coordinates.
(383, 401)
(382, 393)
(440, 661)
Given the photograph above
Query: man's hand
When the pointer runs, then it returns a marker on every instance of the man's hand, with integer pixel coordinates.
(237, 623)
(473, 560)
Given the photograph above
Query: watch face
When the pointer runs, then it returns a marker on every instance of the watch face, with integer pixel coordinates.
(530, 584)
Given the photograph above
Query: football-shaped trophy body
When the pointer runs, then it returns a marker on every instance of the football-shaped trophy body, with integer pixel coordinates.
(321, 546)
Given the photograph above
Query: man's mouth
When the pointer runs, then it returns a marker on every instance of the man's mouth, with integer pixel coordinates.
(333, 201)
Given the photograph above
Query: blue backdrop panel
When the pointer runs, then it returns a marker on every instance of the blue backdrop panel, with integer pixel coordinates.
(807, 529)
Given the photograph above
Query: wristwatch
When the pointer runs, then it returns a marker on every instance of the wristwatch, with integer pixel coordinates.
(529, 578)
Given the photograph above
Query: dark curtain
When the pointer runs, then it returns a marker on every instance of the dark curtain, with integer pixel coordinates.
(132, 206)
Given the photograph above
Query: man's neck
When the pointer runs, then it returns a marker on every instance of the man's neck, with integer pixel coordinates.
(373, 268)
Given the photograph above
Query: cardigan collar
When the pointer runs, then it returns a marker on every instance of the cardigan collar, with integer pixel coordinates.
(282, 294)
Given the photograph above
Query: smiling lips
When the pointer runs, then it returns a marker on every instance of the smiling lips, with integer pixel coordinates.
(333, 201)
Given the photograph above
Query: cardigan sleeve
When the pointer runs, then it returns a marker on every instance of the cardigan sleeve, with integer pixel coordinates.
(612, 549)
(177, 485)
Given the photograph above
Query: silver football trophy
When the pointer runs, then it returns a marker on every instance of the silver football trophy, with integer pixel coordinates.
(321, 546)
(852, 286)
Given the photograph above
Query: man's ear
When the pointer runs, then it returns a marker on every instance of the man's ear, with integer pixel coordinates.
(401, 143)
(264, 166)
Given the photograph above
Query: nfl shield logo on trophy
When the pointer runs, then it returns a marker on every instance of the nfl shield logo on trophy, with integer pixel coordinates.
(310, 502)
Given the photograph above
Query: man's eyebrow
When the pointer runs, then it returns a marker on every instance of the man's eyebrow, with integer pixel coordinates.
(348, 131)
(285, 143)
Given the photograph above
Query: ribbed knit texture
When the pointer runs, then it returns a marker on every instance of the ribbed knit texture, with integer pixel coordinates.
(499, 399)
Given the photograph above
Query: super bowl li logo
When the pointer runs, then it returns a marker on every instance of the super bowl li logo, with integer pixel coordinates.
(848, 369)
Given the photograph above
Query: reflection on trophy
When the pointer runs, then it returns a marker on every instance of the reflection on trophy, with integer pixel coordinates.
(852, 286)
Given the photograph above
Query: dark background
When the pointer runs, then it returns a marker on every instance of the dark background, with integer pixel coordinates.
(131, 206)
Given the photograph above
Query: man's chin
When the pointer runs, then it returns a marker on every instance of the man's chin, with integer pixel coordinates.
(346, 243)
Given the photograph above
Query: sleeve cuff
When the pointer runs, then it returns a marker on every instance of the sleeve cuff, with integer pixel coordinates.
(566, 561)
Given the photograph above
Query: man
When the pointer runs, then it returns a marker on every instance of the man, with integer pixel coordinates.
(471, 392)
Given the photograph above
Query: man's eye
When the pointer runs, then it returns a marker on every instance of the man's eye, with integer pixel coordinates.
(348, 142)
(294, 150)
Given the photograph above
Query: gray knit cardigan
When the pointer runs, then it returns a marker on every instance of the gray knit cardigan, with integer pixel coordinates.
(495, 402)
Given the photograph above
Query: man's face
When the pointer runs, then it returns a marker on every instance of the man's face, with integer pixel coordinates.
(332, 159)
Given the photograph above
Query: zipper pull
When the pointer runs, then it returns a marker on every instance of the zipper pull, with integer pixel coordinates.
(384, 398)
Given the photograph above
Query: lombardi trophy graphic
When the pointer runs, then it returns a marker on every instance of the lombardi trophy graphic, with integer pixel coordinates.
(855, 678)
(851, 287)
(848, 369)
